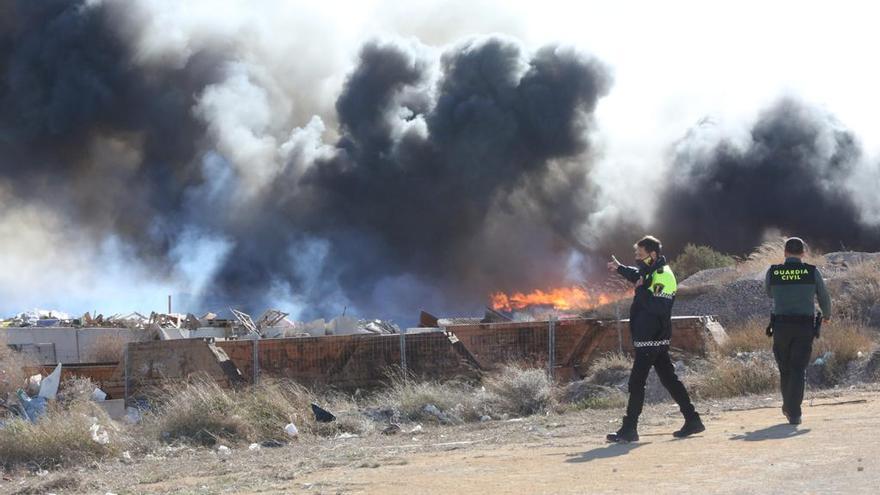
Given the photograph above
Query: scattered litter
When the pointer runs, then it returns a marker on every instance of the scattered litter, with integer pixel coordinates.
(132, 415)
(99, 395)
(254, 446)
(345, 435)
(99, 435)
(291, 430)
(34, 407)
(32, 386)
(485, 418)
(224, 450)
(322, 415)
(432, 409)
(821, 360)
(49, 385)
(416, 429)
(391, 429)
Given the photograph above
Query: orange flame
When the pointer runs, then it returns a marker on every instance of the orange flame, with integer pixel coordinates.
(561, 298)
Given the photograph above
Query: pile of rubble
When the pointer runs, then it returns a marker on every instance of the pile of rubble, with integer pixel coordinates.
(58, 319)
(32, 400)
(272, 323)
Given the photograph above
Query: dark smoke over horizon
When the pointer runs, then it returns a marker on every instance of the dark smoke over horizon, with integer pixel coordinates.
(793, 175)
(452, 175)
(446, 173)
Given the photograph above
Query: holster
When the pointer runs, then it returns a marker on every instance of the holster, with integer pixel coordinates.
(769, 330)
(817, 325)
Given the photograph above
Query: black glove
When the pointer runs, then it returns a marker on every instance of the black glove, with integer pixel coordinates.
(769, 330)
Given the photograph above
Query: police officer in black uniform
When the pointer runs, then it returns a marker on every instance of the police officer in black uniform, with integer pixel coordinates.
(650, 323)
(794, 287)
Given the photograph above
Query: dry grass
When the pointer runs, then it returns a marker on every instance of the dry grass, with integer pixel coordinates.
(515, 390)
(844, 340)
(607, 369)
(584, 394)
(60, 438)
(204, 413)
(411, 400)
(109, 349)
(733, 377)
(747, 336)
(11, 375)
(772, 252)
(75, 390)
(860, 291)
(519, 391)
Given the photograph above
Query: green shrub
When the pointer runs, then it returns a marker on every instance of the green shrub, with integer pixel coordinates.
(696, 258)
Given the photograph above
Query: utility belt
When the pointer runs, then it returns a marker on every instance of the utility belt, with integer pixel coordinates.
(815, 321)
(792, 319)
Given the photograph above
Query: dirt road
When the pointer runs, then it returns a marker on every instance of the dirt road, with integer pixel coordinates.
(835, 450)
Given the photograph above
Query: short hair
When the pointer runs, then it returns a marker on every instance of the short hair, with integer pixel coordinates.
(795, 245)
(650, 243)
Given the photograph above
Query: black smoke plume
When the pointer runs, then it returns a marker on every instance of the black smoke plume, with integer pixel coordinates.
(451, 176)
(793, 176)
(427, 174)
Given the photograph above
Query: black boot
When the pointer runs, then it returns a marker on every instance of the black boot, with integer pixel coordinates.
(626, 434)
(692, 426)
(792, 420)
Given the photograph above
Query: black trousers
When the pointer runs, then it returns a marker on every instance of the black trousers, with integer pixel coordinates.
(658, 358)
(792, 346)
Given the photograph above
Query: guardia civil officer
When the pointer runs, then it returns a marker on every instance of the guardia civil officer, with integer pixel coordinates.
(650, 323)
(794, 287)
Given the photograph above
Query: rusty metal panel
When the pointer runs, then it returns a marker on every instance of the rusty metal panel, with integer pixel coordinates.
(349, 361)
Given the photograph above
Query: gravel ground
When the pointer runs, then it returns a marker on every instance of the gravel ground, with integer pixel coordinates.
(730, 302)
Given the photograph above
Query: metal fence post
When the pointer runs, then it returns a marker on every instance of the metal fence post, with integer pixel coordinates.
(256, 360)
(126, 365)
(403, 351)
(551, 346)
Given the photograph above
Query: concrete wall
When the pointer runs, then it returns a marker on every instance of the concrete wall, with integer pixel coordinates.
(72, 345)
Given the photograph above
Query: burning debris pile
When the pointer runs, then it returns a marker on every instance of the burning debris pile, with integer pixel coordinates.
(566, 299)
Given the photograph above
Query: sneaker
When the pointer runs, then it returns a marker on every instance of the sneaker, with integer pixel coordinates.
(691, 427)
(626, 434)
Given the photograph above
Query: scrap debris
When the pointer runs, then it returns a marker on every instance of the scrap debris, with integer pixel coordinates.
(273, 323)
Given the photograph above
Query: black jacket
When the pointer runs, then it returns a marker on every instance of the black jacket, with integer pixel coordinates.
(650, 315)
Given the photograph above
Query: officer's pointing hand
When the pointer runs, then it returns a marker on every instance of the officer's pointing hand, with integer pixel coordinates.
(613, 264)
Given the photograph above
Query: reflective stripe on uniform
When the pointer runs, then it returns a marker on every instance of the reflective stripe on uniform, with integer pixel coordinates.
(650, 343)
